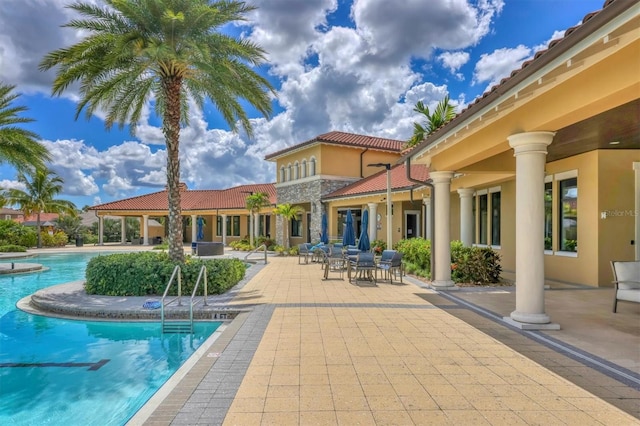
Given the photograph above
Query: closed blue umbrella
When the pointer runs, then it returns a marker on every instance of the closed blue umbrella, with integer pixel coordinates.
(324, 236)
(363, 242)
(349, 234)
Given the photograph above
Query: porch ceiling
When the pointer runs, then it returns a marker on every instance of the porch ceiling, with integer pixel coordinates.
(620, 124)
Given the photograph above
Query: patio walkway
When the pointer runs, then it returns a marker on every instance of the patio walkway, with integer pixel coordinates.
(331, 352)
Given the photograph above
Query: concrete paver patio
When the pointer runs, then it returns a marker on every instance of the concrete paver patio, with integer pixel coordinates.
(331, 352)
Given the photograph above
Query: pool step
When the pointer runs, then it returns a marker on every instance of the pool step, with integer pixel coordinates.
(177, 327)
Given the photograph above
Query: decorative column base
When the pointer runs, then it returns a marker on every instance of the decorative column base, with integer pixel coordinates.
(447, 285)
(531, 321)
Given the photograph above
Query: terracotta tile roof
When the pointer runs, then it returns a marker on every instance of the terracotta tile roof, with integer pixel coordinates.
(540, 59)
(347, 139)
(44, 217)
(206, 199)
(377, 183)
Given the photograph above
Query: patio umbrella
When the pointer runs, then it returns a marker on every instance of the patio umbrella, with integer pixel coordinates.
(200, 228)
(324, 237)
(349, 234)
(363, 242)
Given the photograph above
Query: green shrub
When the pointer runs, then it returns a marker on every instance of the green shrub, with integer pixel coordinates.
(468, 264)
(147, 273)
(12, 248)
(57, 239)
(378, 246)
(416, 255)
(89, 238)
(13, 233)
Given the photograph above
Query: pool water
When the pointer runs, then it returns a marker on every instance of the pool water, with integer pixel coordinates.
(55, 371)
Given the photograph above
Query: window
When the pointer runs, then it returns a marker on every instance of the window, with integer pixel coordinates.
(235, 226)
(218, 226)
(296, 168)
(282, 174)
(568, 215)
(304, 168)
(312, 167)
(495, 218)
(264, 225)
(289, 174)
(483, 223)
(296, 227)
(548, 213)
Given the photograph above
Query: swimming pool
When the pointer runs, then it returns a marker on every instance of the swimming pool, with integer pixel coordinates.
(57, 371)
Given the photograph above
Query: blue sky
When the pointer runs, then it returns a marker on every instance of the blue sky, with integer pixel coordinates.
(350, 65)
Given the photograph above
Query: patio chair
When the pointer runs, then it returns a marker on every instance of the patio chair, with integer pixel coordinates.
(317, 252)
(626, 278)
(333, 262)
(390, 263)
(362, 268)
(304, 251)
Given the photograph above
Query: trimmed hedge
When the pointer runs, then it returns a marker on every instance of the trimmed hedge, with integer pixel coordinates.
(147, 273)
(12, 249)
(477, 265)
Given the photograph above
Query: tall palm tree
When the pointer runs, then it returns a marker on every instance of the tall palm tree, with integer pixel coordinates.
(18, 147)
(168, 51)
(443, 113)
(39, 196)
(256, 202)
(288, 213)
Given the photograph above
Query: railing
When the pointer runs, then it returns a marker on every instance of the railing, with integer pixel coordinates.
(201, 275)
(165, 303)
(255, 250)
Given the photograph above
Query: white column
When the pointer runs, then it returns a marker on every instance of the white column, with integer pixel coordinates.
(251, 229)
(636, 169)
(194, 228)
(442, 199)
(224, 229)
(373, 221)
(256, 225)
(389, 211)
(123, 229)
(530, 151)
(428, 232)
(466, 216)
(145, 225)
(100, 230)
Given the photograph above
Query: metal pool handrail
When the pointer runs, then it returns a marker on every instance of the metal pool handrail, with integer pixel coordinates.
(203, 273)
(255, 250)
(176, 271)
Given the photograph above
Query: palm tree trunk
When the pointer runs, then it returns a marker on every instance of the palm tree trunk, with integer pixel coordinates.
(171, 130)
(38, 230)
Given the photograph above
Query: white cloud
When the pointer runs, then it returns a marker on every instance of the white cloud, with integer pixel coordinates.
(12, 184)
(418, 26)
(453, 61)
(492, 67)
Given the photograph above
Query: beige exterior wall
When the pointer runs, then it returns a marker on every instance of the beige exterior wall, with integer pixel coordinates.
(335, 160)
(616, 196)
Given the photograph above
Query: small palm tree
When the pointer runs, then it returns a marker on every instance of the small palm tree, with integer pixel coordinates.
(288, 213)
(39, 196)
(256, 202)
(443, 113)
(18, 147)
(168, 50)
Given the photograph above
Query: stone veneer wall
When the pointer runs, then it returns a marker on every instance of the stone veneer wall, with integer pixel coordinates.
(307, 192)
